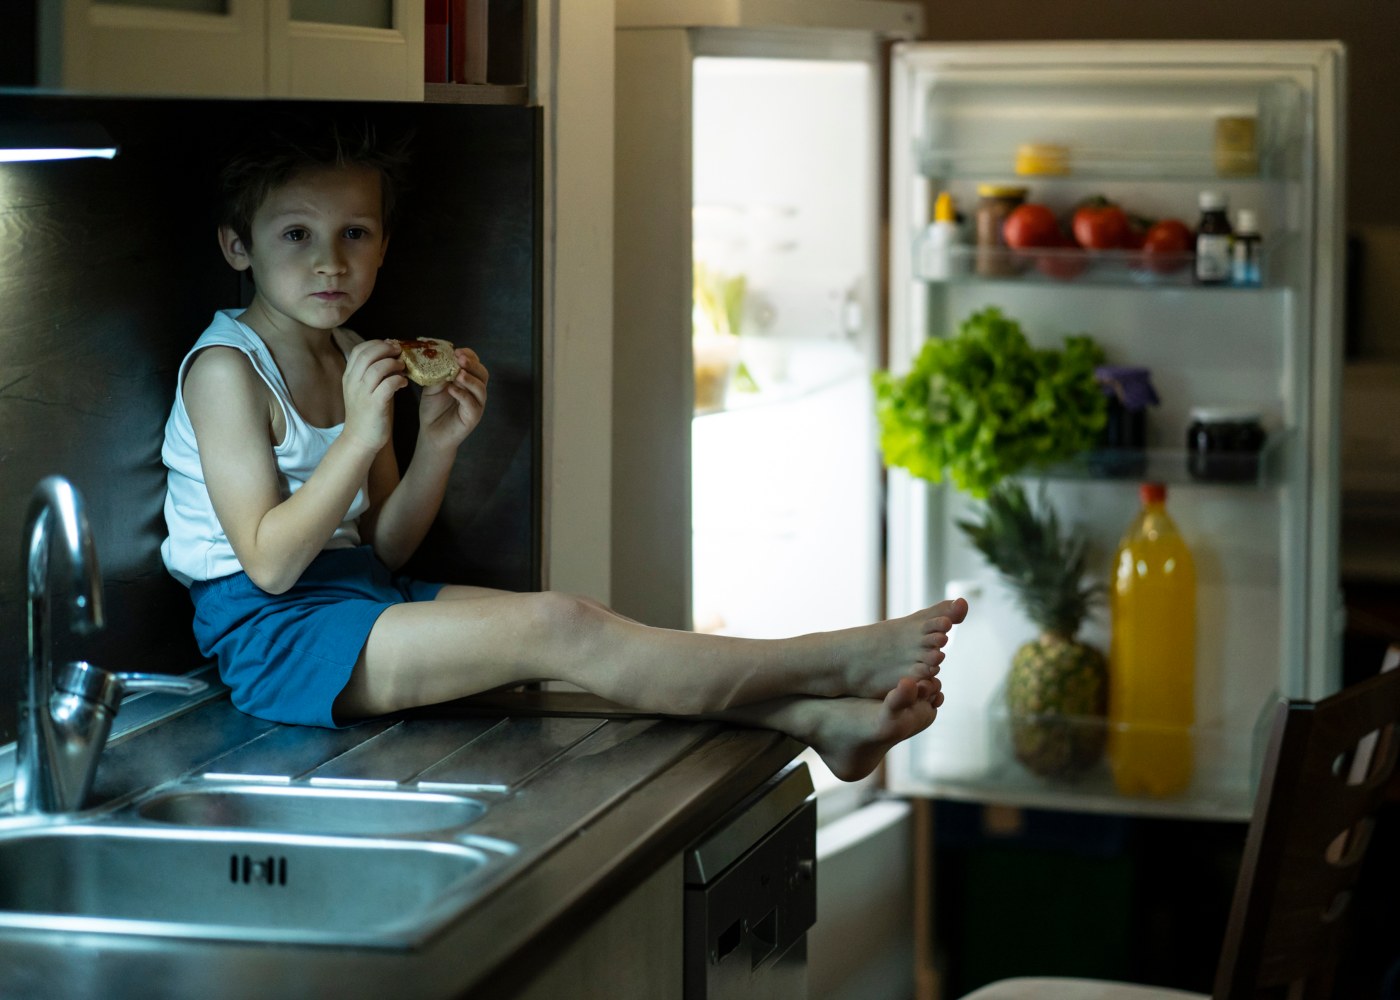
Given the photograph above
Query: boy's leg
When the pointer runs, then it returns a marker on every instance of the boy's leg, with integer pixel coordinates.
(429, 652)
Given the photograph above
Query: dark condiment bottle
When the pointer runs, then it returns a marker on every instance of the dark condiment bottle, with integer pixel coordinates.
(1213, 264)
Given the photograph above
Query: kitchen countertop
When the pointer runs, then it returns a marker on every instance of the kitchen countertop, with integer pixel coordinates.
(596, 797)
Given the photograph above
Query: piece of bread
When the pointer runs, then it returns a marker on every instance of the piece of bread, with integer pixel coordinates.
(428, 362)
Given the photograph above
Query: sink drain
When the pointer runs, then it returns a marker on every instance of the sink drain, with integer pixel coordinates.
(248, 870)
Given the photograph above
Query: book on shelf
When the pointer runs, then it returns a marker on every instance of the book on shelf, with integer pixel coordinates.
(437, 55)
(469, 36)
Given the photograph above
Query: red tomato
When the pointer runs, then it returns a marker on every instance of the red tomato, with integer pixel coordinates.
(1063, 261)
(1167, 245)
(1102, 225)
(1031, 225)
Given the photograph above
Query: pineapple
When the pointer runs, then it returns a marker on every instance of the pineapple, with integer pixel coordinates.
(1057, 690)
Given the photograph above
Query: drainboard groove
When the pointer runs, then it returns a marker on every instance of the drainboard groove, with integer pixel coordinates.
(404, 750)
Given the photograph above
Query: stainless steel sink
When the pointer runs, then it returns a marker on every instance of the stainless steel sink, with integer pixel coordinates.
(187, 883)
(311, 809)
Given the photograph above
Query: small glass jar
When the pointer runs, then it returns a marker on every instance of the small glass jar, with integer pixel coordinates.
(994, 203)
(1223, 444)
(1123, 442)
(1236, 150)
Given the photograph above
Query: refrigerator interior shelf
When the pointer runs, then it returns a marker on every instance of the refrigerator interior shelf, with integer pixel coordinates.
(1224, 760)
(1265, 469)
(782, 371)
(1068, 265)
(1081, 165)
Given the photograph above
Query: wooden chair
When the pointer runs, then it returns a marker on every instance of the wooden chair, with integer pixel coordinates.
(1326, 773)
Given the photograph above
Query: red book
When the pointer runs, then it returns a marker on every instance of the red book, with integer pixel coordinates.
(468, 32)
(437, 64)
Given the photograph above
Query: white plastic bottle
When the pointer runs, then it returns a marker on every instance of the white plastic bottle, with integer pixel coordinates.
(937, 241)
(963, 744)
(1244, 250)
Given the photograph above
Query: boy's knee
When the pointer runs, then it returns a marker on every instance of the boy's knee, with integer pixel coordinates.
(567, 611)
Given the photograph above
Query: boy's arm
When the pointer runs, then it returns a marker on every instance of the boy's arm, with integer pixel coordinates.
(274, 539)
(402, 512)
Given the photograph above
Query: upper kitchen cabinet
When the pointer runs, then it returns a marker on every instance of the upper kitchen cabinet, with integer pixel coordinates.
(348, 49)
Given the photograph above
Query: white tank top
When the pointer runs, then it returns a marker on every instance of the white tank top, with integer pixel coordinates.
(197, 548)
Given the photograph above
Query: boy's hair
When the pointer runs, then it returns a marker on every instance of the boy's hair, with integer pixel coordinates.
(288, 149)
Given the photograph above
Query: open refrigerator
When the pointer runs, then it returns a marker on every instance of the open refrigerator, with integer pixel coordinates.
(1136, 123)
(751, 146)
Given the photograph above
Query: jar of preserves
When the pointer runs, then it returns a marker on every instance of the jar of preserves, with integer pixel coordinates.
(1223, 444)
(1122, 449)
(1236, 152)
(994, 203)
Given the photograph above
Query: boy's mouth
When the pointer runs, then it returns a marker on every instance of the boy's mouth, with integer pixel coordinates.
(328, 296)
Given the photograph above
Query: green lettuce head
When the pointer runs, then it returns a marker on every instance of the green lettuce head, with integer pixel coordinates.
(984, 404)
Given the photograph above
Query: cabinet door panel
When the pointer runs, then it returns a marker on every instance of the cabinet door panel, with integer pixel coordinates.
(184, 47)
(352, 57)
(362, 13)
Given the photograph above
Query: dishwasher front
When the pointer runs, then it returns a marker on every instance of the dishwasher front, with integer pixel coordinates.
(751, 895)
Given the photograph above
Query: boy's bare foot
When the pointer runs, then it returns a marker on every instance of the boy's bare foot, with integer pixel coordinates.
(873, 658)
(852, 735)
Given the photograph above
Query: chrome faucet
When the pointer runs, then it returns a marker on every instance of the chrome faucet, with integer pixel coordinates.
(65, 717)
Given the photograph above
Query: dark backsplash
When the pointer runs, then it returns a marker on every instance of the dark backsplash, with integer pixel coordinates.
(108, 272)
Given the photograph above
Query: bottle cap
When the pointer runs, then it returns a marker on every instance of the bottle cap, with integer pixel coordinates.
(1246, 221)
(943, 208)
(1000, 191)
(1153, 492)
(1212, 201)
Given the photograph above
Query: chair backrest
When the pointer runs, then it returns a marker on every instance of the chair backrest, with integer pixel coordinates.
(1325, 776)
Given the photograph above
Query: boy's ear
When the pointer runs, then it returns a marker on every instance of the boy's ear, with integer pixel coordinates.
(233, 249)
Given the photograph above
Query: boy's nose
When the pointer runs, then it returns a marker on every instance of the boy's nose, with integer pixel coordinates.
(330, 262)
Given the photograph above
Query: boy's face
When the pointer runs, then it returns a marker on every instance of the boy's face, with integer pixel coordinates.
(318, 242)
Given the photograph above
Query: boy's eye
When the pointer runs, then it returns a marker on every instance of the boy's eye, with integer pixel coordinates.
(295, 235)
(356, 233)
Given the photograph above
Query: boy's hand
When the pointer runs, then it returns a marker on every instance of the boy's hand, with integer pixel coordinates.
(373, 373)
(448, 413)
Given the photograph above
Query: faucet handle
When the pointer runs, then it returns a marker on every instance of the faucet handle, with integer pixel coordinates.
(108, 688)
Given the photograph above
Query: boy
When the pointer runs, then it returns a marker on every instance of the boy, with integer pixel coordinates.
(287, 516)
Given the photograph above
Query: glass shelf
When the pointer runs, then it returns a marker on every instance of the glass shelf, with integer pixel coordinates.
(1070, 265)
(1216, 794)
(1225, 761)
(1262, 470)
(1089, 166)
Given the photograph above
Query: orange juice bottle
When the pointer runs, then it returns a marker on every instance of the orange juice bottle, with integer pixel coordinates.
(1152, 654)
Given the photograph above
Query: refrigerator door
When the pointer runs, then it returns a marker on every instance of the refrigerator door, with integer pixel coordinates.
(746, 490)
(1147, 126)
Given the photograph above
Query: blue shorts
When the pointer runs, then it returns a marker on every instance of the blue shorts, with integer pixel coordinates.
(286, 657)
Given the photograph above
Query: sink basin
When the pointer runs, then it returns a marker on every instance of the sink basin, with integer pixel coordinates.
(206, 884)
(306, 809)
